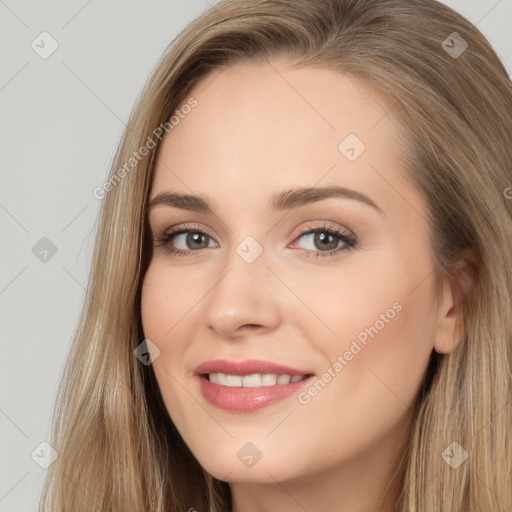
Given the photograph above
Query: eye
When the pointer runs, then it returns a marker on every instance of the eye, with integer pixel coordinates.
(193, 239)
(328, 239)
(188, 236)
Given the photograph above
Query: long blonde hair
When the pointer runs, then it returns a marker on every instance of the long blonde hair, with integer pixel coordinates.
(119, 450)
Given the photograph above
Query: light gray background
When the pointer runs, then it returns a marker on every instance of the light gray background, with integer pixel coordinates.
(61, 120)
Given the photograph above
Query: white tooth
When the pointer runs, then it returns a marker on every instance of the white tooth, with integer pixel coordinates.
(283, 379)
(233, 381)
(252, 381)
(269, 379)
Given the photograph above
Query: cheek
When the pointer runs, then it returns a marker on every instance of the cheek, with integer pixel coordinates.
(382, 335)
(385, 335)
(164, 306)
(167, 296)
(151, 304)
(374, 364)
(165, 300)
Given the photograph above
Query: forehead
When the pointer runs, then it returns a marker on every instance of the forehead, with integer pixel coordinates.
(264, 103)
(265, 127)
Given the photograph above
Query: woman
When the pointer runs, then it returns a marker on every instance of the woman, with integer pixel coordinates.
(341, 337)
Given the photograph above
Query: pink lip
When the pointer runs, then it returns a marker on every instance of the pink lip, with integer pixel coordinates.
(247, 399)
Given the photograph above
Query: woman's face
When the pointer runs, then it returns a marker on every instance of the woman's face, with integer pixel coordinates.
(257, 282)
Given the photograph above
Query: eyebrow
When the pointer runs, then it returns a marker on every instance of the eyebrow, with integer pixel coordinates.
(286, 200)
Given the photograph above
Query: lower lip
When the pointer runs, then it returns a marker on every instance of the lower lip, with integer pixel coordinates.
(242, 399)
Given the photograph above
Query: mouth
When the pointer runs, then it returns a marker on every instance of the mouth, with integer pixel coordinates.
(246, 386)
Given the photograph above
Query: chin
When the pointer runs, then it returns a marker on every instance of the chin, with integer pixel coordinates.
(228, 467)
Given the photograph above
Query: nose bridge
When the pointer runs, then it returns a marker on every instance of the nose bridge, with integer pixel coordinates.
(241, 295)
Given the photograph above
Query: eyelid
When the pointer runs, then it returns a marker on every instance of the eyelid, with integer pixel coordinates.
(187, 227)
(326, 225)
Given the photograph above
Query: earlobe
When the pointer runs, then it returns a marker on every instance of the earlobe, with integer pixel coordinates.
(450, 331)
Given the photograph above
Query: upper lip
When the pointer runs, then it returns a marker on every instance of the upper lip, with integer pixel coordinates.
(247, 367)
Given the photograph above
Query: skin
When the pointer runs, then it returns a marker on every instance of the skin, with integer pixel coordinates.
(258, 130)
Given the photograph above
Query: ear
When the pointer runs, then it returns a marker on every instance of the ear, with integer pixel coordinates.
(450, 327)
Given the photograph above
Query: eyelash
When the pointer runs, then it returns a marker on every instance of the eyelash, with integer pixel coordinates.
(350, 242)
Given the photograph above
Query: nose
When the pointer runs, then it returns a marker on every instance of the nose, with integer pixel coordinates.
(244, 300)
